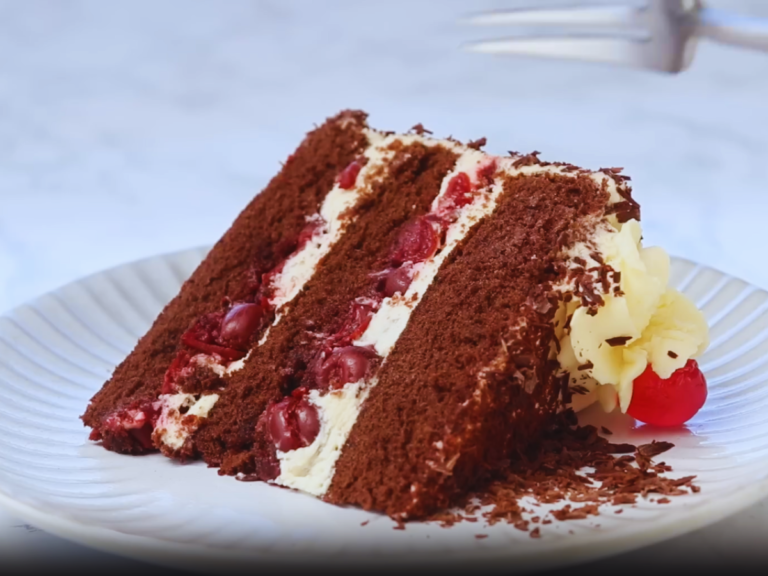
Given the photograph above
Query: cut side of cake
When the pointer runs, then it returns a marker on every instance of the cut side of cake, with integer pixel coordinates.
(396, 316)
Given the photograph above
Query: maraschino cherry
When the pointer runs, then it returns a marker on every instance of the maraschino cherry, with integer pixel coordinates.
(670, 402)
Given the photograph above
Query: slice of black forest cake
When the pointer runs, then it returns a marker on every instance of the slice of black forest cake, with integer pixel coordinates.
(396, 316)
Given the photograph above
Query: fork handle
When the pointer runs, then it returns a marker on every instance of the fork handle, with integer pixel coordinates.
(729, 28)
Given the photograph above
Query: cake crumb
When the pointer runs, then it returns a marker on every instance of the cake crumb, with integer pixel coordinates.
(481, 536)
(535, 533)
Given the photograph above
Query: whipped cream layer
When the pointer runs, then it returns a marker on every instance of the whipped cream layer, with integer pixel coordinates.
(311, 469)
(641, 322)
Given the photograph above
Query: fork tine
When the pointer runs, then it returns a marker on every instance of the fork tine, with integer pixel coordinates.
(547, 14)
(593, 49)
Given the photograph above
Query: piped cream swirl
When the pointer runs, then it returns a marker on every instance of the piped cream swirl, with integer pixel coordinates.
(642, 321)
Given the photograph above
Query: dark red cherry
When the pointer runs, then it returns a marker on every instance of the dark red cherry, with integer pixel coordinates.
(357, 321)
(292, 423)
(457, 194)
(225, 352)
(240, 324)
(348, 176)
(345, 365)
(417, 241)
(307, 422)
(137, 419)
(174, 371)
(397, 281)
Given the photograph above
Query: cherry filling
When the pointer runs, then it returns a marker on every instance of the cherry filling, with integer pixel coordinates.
(136, 420)
(417, 241)
(397, 281)
(175, 371)
(357, 321)
(457, 195)
(293, 422)
(348, 176)
(345, 365)
(487, 171)
(240, 324)
(226, 333)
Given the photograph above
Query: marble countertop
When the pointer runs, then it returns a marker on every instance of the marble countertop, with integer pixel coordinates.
(134, 127)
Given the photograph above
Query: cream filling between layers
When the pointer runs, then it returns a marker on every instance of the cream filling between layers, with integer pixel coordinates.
(311, 468)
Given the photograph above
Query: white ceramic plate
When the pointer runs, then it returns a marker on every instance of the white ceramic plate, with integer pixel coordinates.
(57, 351)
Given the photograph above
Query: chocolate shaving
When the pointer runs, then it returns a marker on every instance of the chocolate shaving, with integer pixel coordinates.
(654, 448)
(420, 130)
(586, 366)
(618, 341)
(477, 144)
(527, 160)
(672, 355)
(555, 470)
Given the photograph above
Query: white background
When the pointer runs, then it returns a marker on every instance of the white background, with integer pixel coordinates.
(134, 127)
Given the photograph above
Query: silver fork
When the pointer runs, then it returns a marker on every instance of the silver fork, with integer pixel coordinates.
(659, 35)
